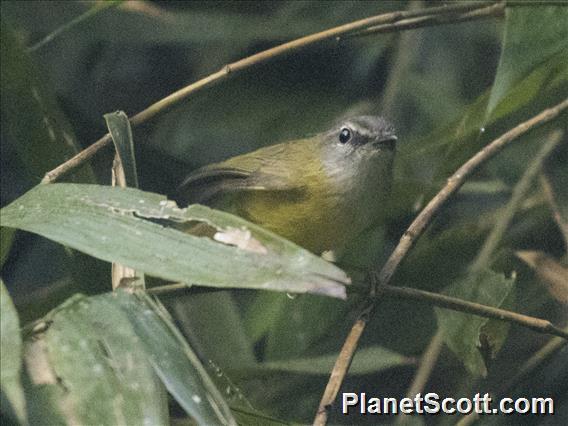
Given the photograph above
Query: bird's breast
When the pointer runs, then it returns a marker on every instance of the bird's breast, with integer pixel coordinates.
(319, 216)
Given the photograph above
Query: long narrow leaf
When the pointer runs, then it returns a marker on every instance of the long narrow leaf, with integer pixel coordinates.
(173, 360)
(119, 128)
(118, 225)
(87, 352)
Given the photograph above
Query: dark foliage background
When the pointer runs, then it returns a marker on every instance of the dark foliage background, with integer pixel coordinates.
(442, 82)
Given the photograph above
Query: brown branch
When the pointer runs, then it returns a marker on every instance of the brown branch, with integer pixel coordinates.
(416, 229)
(456, 181)
(342, 363)
(492, 11)
(232, 69)
(426, 366)
(443, 301)
(168, 288)
(432, 352)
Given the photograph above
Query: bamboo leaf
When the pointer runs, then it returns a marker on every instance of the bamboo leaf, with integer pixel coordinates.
(121, 133)
(367, 360)
(173, 360)
(86, 350)
(35, 125)
(119, 225)
(533, 33)
(112, 349)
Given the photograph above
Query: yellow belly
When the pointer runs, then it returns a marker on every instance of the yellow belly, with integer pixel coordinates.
(316, 223)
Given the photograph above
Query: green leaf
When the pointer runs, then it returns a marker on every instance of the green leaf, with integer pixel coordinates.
(533, 33)
(461, 139)
(493, 334)
(11, 355)
(300, 323)
(111, 349)
(263, 313)
(114, 224)
(173, 360)
(86, 350)
(367, 360)
(549, 77)
(213, 321)
(462, 331)
(31, 117)
(121, 133)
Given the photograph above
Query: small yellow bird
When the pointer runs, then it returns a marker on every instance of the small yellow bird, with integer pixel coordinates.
(319, 192)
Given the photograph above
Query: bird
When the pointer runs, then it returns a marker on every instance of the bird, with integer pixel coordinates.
(319, 192)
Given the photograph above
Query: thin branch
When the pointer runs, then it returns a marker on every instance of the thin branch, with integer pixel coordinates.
(341, 364)
(415, 230)
(168, 288)
(493, 11)
(232, 69)
(543, 354)
(443, 301)
(431, 354)
(491, 243)
(456, 181)
(553, 346)
(424, 371)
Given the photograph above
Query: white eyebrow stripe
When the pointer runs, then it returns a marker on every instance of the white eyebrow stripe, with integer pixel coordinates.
(361, 130)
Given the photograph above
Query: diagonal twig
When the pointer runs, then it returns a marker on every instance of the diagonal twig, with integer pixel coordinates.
(232, 69)
(433, 350)
(425, 367)
(410, 236)
(443, 301)
(491, 11)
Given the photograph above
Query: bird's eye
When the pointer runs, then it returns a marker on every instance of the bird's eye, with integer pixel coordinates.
(344, 135)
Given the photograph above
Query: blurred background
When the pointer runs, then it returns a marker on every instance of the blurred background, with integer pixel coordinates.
(432, 83)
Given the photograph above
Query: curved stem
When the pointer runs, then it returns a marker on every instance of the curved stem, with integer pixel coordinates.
(232, 69)
(414, 231)
(425, 368)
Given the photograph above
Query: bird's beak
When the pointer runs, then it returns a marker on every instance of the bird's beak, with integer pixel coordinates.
(388, 142)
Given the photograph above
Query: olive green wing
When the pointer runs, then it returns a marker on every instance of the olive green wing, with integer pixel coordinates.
(266, 169)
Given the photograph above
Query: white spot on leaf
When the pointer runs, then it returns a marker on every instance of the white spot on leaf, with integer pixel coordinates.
(241, 238)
